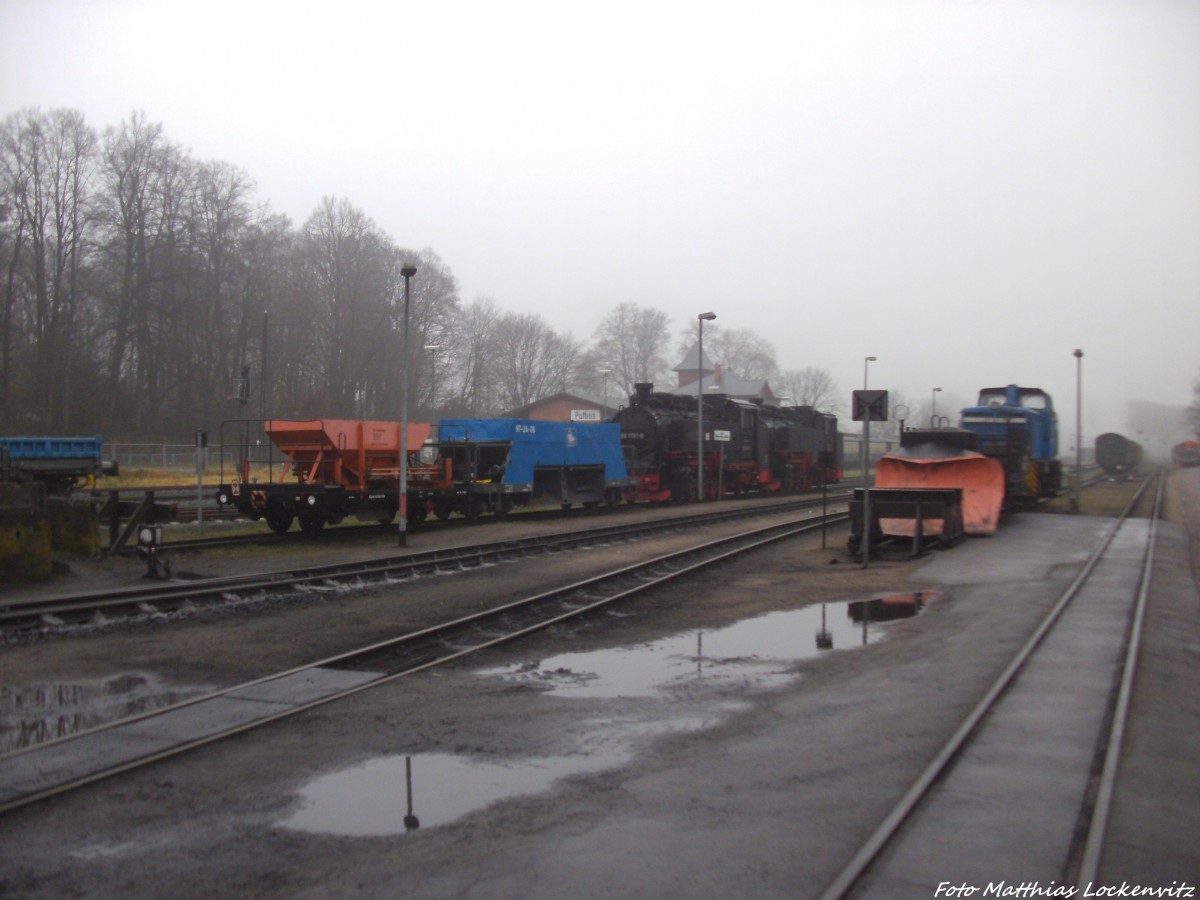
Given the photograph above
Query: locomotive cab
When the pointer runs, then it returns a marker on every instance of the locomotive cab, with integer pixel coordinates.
(1018, 427)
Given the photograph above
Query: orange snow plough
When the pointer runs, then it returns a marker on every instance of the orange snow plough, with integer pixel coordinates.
(931, 466)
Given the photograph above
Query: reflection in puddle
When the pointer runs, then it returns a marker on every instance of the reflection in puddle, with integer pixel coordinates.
(751, 652)
(394, 794)
(36, 713)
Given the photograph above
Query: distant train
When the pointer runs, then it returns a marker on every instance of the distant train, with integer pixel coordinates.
(59, 463)
(1186, 454)
(1116, 454)
(334, 468)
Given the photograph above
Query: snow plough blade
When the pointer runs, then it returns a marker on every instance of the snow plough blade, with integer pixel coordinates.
(980, 478)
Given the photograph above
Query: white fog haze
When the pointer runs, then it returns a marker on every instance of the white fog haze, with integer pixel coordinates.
(966, 191)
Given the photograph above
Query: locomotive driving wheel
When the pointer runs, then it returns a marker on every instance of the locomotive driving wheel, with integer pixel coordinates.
(683, 485)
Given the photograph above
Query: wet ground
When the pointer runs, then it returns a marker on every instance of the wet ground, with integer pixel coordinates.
(733, 734)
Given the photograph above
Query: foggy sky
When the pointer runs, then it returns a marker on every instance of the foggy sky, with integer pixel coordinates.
(966, 190)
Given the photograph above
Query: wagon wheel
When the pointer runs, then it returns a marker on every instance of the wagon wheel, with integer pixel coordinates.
(311, 524)
(505, 507)
(442, 508)
(279, 522)
(474, 507)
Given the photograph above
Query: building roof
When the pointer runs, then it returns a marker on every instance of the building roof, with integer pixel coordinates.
(689, 361)
(523, 412)
(718, 381)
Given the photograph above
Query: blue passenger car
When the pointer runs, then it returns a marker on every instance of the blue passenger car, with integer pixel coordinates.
(56, 462)
(1018, 427)
(497, 464)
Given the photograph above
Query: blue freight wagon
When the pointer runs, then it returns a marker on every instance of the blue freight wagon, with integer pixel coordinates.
(56, 462)
(498, 464)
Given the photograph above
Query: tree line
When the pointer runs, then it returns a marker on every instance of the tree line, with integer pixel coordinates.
(147, 293)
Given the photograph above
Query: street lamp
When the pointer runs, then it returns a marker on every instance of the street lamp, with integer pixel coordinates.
(933, 415)
(1078, 424)
(866, 423)
(402, 537)
(702, 318)
(866, 439)
(604, 372)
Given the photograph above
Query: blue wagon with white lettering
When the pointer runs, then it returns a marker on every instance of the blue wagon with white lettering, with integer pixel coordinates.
(498, 464)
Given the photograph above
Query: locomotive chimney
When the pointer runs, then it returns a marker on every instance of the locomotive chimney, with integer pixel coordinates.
(642, 390)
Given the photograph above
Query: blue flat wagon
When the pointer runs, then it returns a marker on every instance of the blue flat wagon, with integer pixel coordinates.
(56, 462)
(498, 464)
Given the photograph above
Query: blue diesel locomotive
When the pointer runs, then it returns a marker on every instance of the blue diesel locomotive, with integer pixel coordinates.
(1018, 427)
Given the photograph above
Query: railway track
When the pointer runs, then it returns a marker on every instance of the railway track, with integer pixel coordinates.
(164, 597)
(52, 768)
(347, 532)
(1035, 763)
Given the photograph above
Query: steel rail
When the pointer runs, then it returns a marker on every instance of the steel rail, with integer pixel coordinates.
(861, 861)
(1093, 849)
(351, 531)
(712, 552)
(30, 613)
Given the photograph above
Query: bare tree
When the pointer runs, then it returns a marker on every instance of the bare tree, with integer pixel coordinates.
(532, 360)
(49, 163)
(810, 387)
(143, 195)
(630, 344)
(346, 264)
(433, 319)
(471, 342)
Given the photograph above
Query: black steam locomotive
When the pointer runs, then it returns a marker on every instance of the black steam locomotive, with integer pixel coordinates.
(747, 447)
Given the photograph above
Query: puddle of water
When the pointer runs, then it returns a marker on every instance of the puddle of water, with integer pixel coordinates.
(36, 713)
(753, 651)
(394, 794)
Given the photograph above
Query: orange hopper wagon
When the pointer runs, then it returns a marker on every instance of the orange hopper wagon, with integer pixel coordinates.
(334, 468)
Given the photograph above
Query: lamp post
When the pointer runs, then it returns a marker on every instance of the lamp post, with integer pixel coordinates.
(402, 537)
(866, 439)
(933, 414)
(702, 318)
(1078, 424)
(866, 423)
(604, 415)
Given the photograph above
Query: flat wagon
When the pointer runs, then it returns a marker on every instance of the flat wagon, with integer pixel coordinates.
(57, 462)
